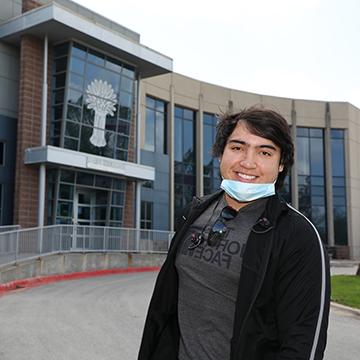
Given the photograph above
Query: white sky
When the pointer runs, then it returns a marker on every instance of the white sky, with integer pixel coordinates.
(307, 49)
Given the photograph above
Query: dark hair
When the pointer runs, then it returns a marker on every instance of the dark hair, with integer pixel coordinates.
(261, 122)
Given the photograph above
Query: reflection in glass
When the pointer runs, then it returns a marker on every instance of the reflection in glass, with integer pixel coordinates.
(79, 51)
(86, 65)
(95, 194)
(311, 182)
(76, 81)
(185, 162)
(77, 66)
(211, 165)
(339, 189)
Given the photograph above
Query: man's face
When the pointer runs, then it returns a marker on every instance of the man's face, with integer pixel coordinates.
(250, 158)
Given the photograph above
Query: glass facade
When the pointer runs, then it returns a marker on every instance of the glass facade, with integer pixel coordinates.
(339, 186)
(1, 203)
(92, 102)
(185, 157)
(2, 153)
(211, 165)
(311, 176)
(85, 198)
(156, 125)
(285, 191)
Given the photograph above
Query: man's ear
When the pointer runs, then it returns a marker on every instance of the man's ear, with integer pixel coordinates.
(281, 167)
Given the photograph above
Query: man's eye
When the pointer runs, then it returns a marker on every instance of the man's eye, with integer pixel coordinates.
(266, 153)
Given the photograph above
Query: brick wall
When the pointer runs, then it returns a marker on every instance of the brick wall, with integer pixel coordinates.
(28, 130)
(129, 208)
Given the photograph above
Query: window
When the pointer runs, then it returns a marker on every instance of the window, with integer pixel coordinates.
(155, 125)
(1, 202)
(339, 186)
(93, 102)
(146, 215)
(68, 189)
(211, 165)
(311, 177)
(185, 160)
(2, 153)
(285, 191)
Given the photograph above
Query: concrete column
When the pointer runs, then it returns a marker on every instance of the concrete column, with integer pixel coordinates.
(199, 148)
(294, 171)
(171, 113)
(42, 170)
(328, 178)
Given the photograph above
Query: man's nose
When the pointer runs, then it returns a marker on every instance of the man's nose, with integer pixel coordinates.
(248, 160)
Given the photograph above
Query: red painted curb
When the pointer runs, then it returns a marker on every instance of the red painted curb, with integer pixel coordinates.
(42, 280)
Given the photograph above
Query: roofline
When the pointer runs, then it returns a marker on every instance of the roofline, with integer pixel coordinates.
(51, 18)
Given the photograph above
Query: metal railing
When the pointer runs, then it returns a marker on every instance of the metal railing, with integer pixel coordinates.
(5, 228)
(24, 244)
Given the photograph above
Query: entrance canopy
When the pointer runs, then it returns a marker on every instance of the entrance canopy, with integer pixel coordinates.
(60, 156)
(61, 23)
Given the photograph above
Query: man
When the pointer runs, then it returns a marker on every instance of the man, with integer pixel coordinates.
(246, 276)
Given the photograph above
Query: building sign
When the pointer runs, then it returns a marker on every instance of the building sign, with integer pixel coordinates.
(102, 99)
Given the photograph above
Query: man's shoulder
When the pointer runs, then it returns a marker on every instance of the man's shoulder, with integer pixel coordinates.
(300, 230)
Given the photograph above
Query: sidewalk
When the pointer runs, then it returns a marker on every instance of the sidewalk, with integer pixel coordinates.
(344, 267)
(347, 309)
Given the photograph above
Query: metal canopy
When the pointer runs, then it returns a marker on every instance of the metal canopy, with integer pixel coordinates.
(61, 24)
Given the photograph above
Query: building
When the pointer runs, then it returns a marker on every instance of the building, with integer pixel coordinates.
(114, 138)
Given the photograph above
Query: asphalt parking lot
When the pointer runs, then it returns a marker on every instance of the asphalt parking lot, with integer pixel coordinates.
(101, 318)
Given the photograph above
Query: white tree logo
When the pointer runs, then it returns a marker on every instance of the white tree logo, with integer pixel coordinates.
(102, 98)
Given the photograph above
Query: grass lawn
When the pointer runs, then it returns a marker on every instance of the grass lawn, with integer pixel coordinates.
(345, 289)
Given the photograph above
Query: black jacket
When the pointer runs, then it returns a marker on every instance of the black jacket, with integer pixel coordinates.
(283, 300)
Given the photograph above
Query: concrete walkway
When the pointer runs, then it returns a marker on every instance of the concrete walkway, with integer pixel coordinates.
(102, 318)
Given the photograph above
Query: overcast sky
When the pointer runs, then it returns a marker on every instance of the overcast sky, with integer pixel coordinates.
(306, 49)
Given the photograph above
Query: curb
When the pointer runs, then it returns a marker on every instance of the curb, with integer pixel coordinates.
(43, 280)
(347, 309)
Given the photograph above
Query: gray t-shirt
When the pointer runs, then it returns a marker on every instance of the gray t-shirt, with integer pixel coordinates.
(208, 283)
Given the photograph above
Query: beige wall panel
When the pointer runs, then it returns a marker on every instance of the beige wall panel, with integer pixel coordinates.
(355, 232)
(159, 82)
(353, 113)
(162, 93)
(354, 123)
(354, 131)
(339, 111)
(216, 95)
(214, 108)
(340, 124)
(242, 99)
(310, 113)
(186, 101)
(186, 86)
(281, 105)
(354, 156)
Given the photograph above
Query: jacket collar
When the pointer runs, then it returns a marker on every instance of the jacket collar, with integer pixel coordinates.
(274, 207)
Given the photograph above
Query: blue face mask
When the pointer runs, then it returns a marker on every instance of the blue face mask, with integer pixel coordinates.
(245, 192)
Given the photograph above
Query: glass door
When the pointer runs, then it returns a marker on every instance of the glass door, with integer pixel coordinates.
(83, 216)
(83, 204)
